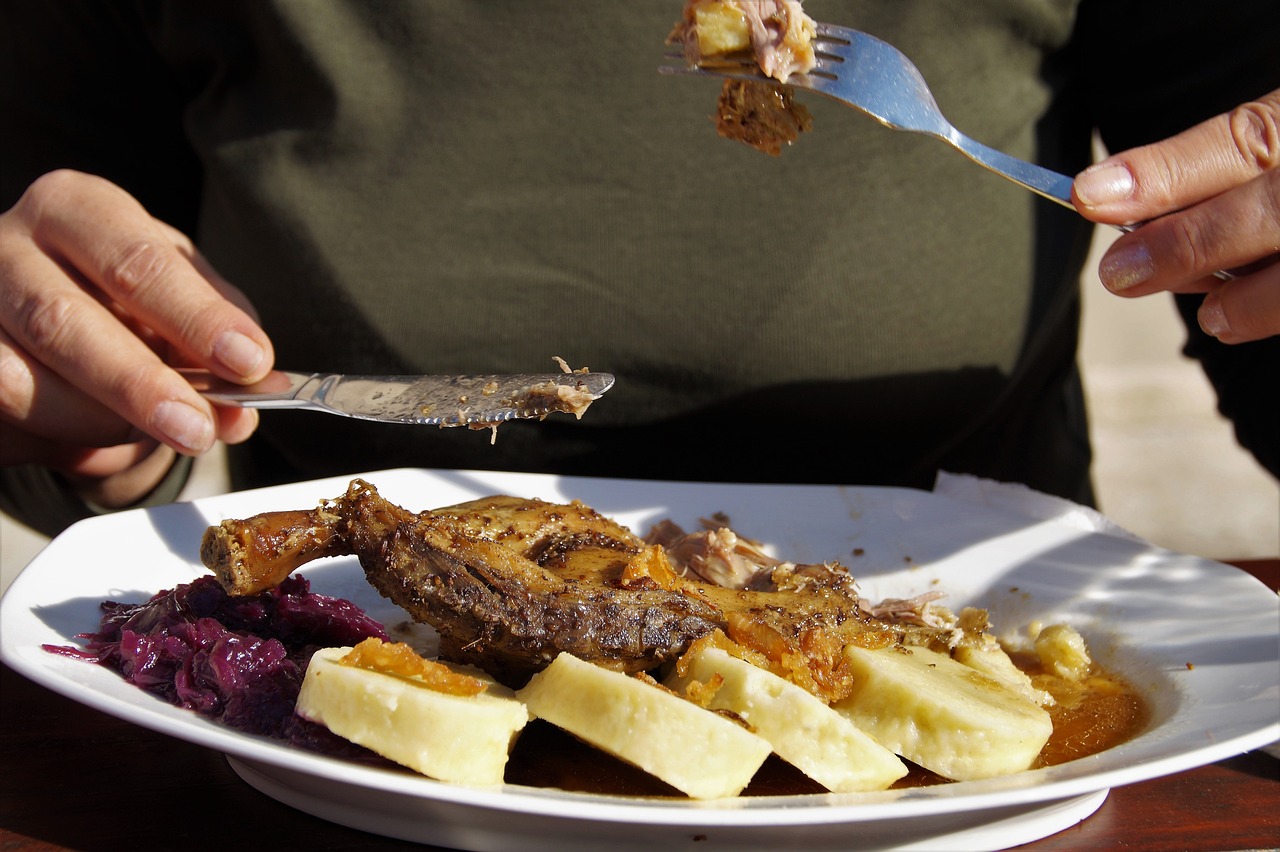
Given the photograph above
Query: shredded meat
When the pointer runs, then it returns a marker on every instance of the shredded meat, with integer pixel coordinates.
(779, 32)
(718, 555)
(777, 36)
(763, 115)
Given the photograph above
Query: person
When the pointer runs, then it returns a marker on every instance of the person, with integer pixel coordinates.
(456, 187)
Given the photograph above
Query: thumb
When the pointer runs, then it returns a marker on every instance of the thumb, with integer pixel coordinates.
(1199, 163)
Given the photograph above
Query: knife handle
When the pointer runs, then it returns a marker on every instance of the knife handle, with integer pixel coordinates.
(280, 389)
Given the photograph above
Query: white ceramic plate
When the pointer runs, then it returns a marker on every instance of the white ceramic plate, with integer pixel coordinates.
(1200, 640)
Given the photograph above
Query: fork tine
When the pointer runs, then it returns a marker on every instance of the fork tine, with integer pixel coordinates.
(833, 32)
(742, 68)
(828, 64)
(735, 69)
(831, 50)
(818, 80)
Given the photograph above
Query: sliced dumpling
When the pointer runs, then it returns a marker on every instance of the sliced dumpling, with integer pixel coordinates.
(700, 753)
(802, 729)
(944, 716)
(459, 738)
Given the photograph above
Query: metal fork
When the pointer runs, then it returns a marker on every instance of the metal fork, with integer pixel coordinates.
(875, 77)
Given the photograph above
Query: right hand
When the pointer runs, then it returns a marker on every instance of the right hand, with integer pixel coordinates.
(1210, 197)
(99, 302)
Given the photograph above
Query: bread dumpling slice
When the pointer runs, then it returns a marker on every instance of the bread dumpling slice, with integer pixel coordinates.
(802, 729)
(701, 754)
(458, 738)
(944, 716)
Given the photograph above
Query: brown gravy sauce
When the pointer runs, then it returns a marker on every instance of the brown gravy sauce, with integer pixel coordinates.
(1096, 714)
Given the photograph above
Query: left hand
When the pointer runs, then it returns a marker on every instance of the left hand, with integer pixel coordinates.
(1210, 197)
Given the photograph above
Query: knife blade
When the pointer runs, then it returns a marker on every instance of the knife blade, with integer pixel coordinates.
(475, 401)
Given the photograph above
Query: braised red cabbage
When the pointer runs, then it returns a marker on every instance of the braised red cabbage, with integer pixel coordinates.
(237, 660)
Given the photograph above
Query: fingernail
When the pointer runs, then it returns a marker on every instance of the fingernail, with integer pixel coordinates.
(184, 425)
(1124, 267)
(1212, 318)
(1105, 183)
(239, 353)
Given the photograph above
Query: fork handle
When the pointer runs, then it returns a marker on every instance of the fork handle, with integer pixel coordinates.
(1043, 182)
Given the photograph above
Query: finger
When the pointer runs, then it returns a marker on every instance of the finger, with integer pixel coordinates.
(115, 477)
(89, 464)
(49, 317)
(20, 447)
(235, 424)
(1199, 163)
(152, 283)
(1180, 251)
(1245, 309)
(38, 401)
(136, 262)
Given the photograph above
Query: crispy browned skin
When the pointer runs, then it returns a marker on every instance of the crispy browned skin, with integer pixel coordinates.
(509, 583)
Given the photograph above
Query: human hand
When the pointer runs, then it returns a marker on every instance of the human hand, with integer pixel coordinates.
(1210, 198)
(99, 302)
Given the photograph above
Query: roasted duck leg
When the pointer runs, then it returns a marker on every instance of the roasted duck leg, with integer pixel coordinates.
(509, 583)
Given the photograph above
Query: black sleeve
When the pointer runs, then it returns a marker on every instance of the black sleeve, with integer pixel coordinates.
(1154, 68)
(1246, 377)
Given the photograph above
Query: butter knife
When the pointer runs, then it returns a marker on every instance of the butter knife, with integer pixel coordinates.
(477, 402)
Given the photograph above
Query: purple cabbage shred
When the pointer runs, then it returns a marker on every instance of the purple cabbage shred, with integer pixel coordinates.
(239, 660)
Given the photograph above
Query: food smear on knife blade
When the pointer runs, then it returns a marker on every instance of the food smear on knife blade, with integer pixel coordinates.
(489, 405)
(536, 401)
(553, 396)
(778, 36)
(532, 592)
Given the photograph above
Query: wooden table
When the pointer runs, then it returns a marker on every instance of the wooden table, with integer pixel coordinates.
(74, 778)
